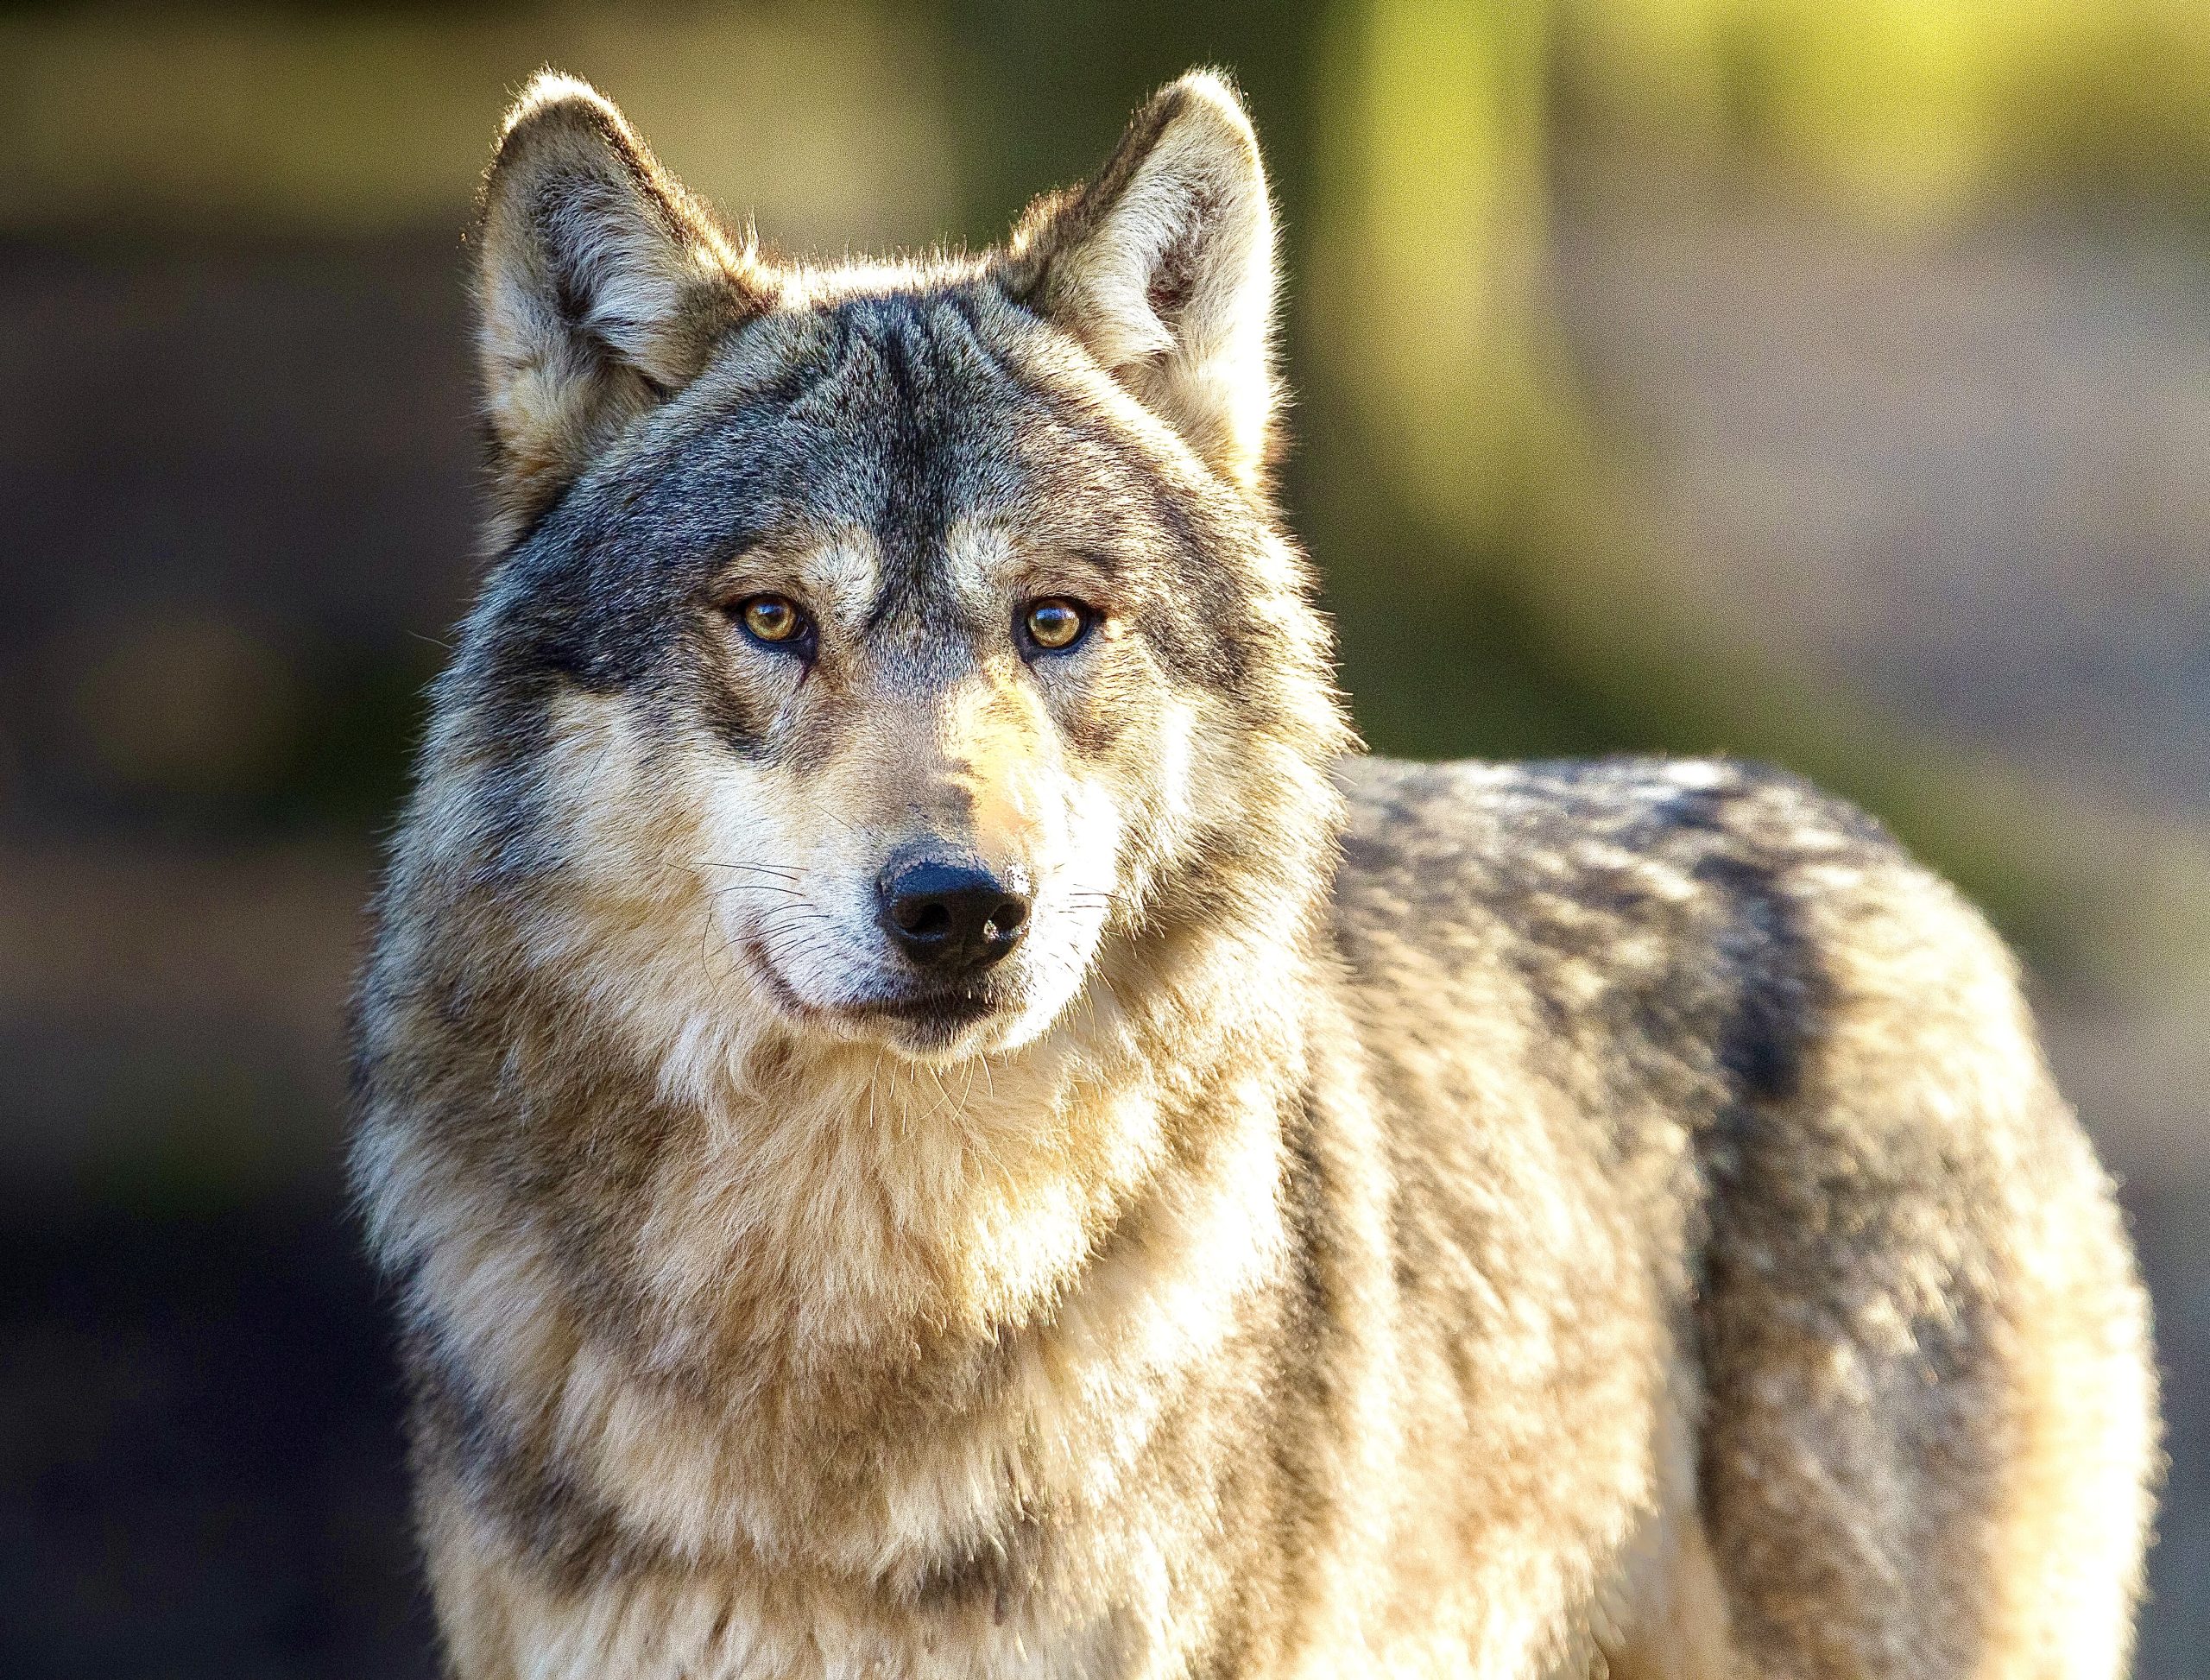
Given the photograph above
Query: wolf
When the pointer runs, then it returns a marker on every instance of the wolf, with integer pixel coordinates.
(926, 1112)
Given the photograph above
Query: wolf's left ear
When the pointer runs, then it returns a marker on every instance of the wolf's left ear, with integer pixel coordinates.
(1162, 267)
(603, 287)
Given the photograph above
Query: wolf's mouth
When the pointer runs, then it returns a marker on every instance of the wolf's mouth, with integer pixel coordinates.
(930, 1022)
(933, 1016)
(946, 1009)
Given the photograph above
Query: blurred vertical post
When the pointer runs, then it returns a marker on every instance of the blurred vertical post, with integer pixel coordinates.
(1427, 262)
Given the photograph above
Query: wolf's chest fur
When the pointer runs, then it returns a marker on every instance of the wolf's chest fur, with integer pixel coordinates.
(928, 1117)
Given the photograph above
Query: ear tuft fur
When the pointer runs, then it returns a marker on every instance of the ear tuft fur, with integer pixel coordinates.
(602, 288)
(1162, 267)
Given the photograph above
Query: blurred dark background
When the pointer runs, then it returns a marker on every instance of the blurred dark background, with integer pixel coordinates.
(1825, 383)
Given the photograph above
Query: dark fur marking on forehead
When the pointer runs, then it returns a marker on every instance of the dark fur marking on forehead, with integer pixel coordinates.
(920, 483)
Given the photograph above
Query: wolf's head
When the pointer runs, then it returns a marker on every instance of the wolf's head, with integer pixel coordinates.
(891, 643)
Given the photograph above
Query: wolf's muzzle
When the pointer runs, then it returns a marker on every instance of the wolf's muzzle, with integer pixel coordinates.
(951, 917)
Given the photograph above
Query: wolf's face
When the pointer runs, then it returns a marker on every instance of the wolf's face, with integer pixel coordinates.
(915, 632)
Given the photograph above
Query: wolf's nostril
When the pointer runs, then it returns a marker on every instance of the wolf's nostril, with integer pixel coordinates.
(955, 916)
(927, 917)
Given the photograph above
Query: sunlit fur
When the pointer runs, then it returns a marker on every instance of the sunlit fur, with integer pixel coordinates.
(1563, 1220)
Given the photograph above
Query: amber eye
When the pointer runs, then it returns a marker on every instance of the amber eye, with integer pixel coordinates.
(1055, 623)
(772, 618)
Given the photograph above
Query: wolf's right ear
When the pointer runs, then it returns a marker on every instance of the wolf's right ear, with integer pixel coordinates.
(602, 287)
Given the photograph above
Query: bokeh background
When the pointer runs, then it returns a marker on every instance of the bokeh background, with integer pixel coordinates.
(1826, 382)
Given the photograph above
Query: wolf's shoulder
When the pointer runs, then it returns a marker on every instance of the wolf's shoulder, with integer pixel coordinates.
(1609, 834)
(1647, 912)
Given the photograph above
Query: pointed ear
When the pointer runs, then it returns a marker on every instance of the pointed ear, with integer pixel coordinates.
(1162, 267)
(602, 287)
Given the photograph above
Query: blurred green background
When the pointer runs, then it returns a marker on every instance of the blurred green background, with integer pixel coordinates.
(1823, 382)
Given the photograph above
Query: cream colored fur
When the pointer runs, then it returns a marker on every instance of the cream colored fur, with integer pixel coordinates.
(1521, 1222)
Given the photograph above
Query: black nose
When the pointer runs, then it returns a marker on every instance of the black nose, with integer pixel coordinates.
(951, 917)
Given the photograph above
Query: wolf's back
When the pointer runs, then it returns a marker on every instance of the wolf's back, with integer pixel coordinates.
(1777, 1085)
